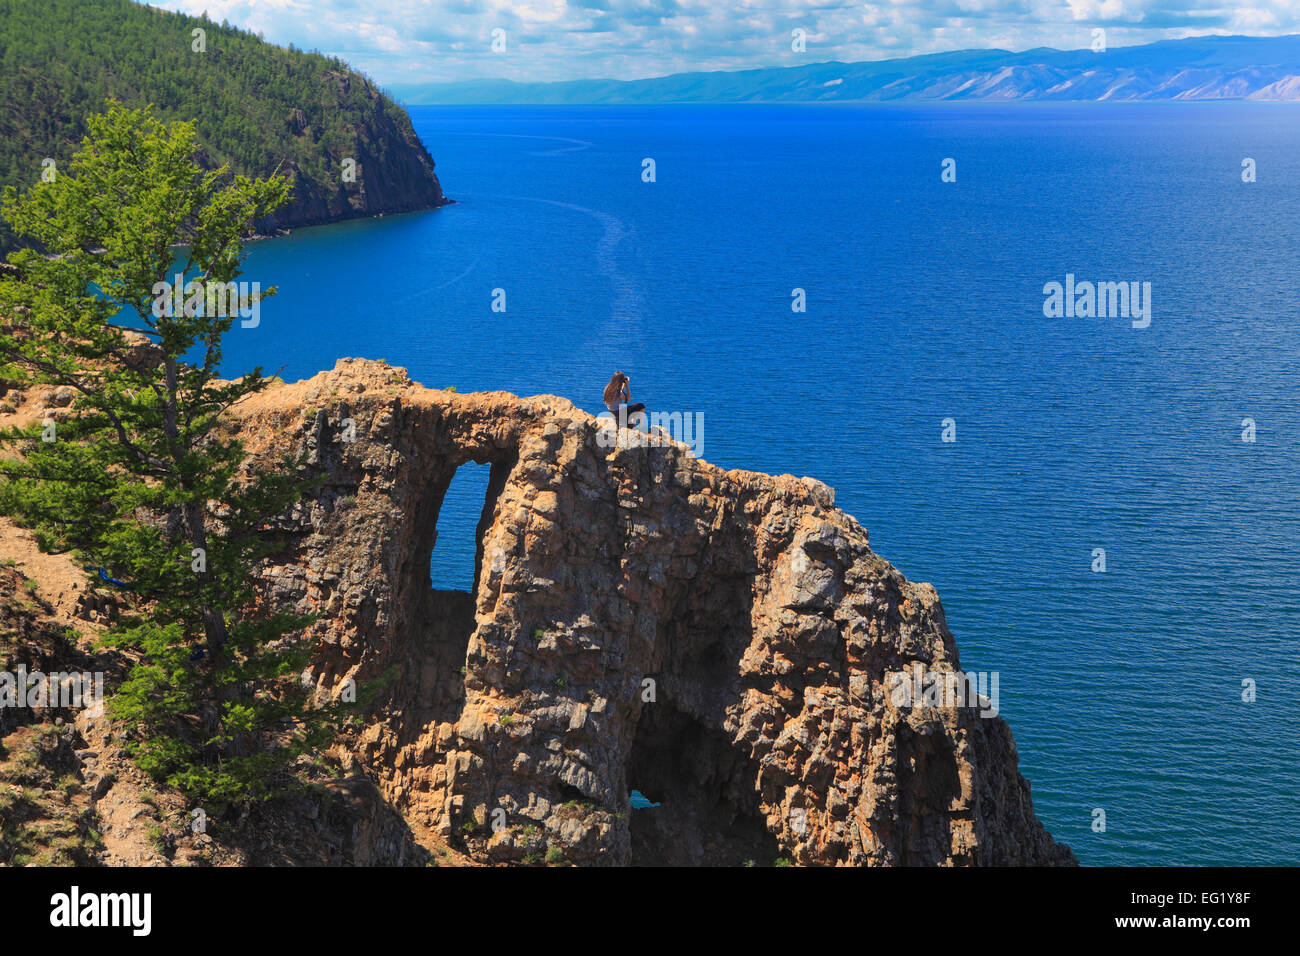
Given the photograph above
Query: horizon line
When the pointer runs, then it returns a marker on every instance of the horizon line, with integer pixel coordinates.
(891, 59)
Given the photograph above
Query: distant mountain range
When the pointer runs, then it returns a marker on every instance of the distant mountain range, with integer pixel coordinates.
(1199, 68)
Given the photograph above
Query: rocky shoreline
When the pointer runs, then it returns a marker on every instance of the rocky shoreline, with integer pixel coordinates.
(720, 641)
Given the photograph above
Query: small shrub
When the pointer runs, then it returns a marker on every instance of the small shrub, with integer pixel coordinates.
(157, 839)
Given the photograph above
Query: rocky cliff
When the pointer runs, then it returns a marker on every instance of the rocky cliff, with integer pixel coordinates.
(391, 171)
(718, 640)
(349, 149)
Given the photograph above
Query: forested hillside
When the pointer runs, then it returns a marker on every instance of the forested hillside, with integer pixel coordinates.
(256, 106)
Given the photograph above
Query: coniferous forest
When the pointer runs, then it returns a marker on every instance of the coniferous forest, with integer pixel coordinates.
(299, 112)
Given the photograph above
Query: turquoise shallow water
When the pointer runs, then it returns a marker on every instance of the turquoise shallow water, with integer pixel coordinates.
(925, 302)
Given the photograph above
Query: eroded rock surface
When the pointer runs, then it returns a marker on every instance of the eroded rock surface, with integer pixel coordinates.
(641, 619)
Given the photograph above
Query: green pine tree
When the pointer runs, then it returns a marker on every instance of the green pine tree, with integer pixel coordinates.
(141, 479)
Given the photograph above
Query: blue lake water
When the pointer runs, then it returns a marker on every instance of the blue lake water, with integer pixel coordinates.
(924, 302)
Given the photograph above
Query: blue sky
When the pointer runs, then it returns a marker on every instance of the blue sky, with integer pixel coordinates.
(412, 41)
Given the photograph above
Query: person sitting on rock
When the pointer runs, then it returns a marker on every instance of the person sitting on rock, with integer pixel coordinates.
(617, 396)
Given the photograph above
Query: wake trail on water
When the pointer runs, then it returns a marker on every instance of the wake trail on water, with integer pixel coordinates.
(628, 306)
(422, 293)
(578, 144)
(472, 266)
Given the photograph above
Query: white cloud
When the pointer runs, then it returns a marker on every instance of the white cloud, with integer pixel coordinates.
(407, 41)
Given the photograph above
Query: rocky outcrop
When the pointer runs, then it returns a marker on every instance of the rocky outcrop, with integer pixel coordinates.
(71, 796)
(719, 640)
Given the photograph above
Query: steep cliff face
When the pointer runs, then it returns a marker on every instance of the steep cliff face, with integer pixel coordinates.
(718, 640)
(381, 167)
(262, 109)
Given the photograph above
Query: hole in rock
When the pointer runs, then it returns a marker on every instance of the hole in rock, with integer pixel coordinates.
(708, 813)
(457, 514)
(455, 544)
(929, 783)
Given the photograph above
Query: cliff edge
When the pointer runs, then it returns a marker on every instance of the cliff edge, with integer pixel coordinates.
(718, 640)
